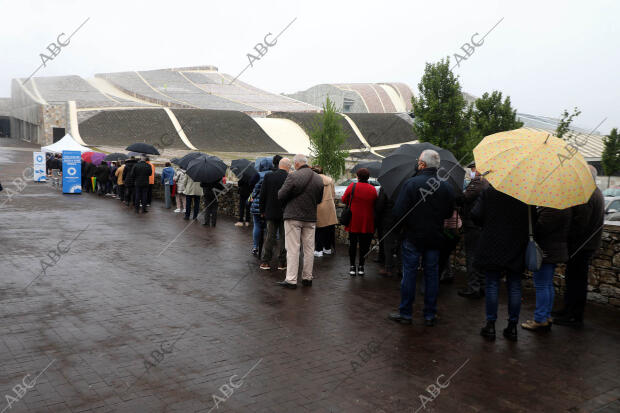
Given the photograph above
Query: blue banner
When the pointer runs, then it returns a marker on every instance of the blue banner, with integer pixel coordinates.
(71, 172)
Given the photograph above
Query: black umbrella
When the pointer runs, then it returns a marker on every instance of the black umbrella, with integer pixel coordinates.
(116, 156)
(175, 161)
(401, 165)
(243, 168)
(143, 147)
(206, 168)
(185, 160)
(374, 167)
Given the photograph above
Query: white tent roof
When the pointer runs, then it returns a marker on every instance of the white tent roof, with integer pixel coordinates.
(67, 143)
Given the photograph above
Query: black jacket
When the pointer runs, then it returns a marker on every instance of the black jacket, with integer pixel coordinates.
(424, 203)
(245, 189)
(470, 195)
(209, 191)
(90, 170)
(102, 173)
(128, 177)
(141, 172)
(586, 227)
(268, 199)
(384, 210)
(504, 231)
(551, 234)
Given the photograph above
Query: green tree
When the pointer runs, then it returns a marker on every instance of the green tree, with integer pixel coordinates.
(440, 109)
(326, 141)
(611, 153)
(489, 115)
(565, 121)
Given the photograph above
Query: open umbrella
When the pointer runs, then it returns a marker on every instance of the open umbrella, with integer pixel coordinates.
(374, 167)
(243, 168)
(175, 161)
(185, 160)
(116, 156)
(402, 164)
(535, 168)
(143, 147)
(97, 158)
(86, 156)
(206, 168)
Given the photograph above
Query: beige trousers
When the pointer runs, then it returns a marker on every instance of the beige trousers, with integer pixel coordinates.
(299, 233)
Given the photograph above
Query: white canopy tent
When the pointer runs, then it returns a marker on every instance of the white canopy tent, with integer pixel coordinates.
(67, 143)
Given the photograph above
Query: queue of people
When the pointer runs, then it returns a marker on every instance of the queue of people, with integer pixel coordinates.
(293, 212)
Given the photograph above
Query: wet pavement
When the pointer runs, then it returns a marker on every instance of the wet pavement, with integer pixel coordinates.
(95, 319)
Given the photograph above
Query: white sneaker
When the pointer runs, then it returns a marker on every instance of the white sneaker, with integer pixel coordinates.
(177, 210)
(318, 253)
(238, 224)
(247, 224)
(327, 252)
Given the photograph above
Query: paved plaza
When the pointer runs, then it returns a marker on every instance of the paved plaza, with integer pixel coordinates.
(100, 312)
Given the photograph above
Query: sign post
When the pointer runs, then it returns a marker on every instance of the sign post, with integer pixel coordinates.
(39, 167)
(71, 172)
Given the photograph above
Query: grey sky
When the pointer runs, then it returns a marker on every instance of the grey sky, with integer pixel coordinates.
(547, 55)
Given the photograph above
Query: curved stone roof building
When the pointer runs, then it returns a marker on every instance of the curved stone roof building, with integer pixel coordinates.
(360, 97)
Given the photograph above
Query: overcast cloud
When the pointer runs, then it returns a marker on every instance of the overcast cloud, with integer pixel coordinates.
(547, 55)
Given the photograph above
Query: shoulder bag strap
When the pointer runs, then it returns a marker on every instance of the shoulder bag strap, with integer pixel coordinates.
(351, 197)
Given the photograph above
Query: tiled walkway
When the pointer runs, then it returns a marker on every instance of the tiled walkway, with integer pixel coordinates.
(120, 328)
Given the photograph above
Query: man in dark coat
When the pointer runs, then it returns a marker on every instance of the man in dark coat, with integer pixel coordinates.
(584, 239)
(129, 181)
(141, 173)
(90, 172)
(385, 221)
(102, 174)
(423, 204)
(475, 279)
(210, 192)
(271, 210)
(501, 248)
(301, 192)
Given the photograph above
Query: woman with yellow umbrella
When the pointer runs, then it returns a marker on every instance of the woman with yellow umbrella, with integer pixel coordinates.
(537, 169)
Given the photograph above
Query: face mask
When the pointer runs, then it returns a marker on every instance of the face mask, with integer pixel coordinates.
(472, 174)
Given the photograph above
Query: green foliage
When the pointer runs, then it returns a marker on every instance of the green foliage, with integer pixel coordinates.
(565, 121)
(611, 153)
(326, 141)
(489, 115)
(440, 109)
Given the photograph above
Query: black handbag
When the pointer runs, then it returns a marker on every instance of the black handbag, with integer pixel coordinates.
(346, 215)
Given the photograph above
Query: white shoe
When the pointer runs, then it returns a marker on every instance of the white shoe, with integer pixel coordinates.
(327, 252)
(318, 253)
(238, 224)
(247, 224)
(177, 210)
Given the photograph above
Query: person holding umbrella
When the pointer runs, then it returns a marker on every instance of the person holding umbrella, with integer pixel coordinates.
(167, 180)
(211, 203)
(424, 202)
(102, 173)
(141, 173)
(180, 178)
(130, 181)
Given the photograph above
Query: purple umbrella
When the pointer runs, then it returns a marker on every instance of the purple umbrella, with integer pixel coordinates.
(97, 158)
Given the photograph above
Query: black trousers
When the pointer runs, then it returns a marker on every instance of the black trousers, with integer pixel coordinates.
(211, 213)
(244, 208)
(141, 196)
(324, 238)
(364, 241)
(275, 239)
(130, 196)
(577, 283)
(149, 194)
(475, 279)
(121, 192)
(444, 255)
(192, 199)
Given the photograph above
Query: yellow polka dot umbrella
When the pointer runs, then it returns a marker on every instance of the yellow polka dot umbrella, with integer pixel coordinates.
(535, 167)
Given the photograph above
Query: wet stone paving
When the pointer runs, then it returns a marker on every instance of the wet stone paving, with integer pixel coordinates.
(95, 318)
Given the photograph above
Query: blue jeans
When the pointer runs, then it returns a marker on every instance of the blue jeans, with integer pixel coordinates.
(543, 281)
(513, 282)
(257, 230)
(430, 261)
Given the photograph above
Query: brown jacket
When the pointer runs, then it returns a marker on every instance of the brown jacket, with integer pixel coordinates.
(326, 210)
(302, 191)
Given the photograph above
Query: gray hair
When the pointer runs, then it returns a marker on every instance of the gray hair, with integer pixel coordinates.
(593, 171)
(285, 163)
(300, 158)
(430, 158)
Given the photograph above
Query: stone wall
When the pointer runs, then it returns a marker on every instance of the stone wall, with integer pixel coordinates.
(604, 278)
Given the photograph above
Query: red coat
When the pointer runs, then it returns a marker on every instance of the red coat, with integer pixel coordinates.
(362, 208)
